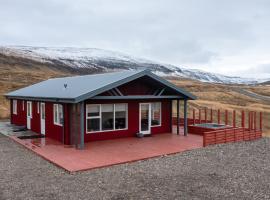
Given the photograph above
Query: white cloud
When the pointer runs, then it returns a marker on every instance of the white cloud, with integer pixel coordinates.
(225, 36)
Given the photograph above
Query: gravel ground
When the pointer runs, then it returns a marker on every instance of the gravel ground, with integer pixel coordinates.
(231, 171)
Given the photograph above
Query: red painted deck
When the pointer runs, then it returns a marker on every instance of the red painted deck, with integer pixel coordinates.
(110, 152)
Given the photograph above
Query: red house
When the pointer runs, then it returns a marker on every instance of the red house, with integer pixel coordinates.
(79, 109)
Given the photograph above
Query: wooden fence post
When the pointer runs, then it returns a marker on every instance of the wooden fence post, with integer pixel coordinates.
(218, 116)
(226, 117)
(261, 120)
(255, 121)
(205, 114)
(194, 117)
(234, 119)
(249, 120)
(211, 112)
(200, 119)
(243, 119)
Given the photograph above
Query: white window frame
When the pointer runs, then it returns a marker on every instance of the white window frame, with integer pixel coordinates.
(160, 117)
(100, 117)
(38, 107)
(30, 109)
(56, 109)
(14, 106)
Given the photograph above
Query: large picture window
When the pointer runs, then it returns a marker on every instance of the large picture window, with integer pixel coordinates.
(58, 114)
(106, 117)
(156, 114)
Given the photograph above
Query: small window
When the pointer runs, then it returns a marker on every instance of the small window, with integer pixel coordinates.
(14, 107)
(23, 105)
(156, 114)
(58, 114)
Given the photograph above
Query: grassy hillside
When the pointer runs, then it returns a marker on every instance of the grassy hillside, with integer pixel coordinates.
(18, 74)
(219, 96)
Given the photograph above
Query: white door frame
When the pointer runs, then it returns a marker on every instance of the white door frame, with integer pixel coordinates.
(29, 115)
(42, 121)
(149, 119)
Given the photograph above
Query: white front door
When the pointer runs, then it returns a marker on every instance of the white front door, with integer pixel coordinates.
(42, 118)
(145, 118)
(29, 114)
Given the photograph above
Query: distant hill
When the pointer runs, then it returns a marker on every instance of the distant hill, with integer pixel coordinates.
(90, 60)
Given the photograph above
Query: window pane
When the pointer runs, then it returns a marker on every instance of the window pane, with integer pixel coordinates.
(93, 125)
(120, 116)
(155, 115)
(55, 113)
(93, 110)
(107, 117)
(120, 107)
(14, 106)
(60, 114)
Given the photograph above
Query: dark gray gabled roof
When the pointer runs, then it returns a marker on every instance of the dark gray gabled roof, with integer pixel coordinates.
(80, 88)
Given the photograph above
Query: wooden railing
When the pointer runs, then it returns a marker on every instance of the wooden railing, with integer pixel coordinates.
(230, 135)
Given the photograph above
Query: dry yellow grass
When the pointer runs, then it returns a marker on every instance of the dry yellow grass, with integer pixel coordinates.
(217, 96)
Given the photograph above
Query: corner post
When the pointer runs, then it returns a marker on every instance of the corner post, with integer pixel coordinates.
(185, 118)
(82, 126)
(178, 118)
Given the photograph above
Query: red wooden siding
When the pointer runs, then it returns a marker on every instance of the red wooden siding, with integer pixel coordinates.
(19, 118)
(56, 132)
(53, 131)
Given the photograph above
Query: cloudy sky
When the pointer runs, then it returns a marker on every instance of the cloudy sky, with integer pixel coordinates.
(225, 36)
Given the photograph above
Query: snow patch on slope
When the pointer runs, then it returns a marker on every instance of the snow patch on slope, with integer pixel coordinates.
(105, 60)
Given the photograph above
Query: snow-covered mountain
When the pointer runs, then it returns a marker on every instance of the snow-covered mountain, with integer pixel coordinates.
(90, 60)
